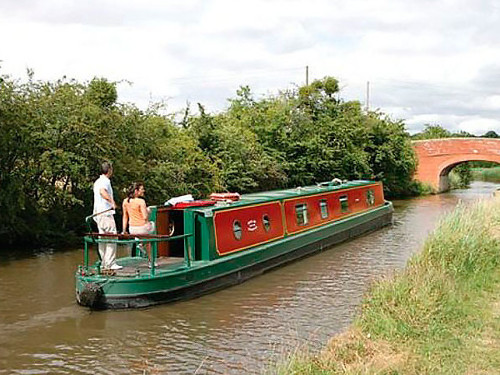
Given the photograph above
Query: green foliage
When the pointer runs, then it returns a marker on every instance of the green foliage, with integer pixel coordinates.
(437, 131)
(491, 134)
(101, 92)
(313, 136)
(391, 155)
(417, 188)
(437, 316)
(432, 132)
(227, 139)
(461, 176)
(487, 174)
(462, 134)
(53, 136)
(483, 164)
(434, 307)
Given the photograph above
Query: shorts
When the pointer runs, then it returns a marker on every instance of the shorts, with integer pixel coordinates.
(143, 229)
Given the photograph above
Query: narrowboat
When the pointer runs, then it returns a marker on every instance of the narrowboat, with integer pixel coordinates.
(202, 246)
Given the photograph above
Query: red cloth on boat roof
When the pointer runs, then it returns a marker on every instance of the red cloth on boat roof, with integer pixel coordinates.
(200, 203)
(225, 196)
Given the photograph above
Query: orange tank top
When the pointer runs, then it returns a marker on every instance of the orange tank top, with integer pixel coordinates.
(134, 213)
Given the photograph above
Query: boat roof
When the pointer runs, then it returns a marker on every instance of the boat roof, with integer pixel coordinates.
(275, 195)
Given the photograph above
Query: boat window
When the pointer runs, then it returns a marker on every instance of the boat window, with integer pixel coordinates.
(324, 208)
(266, 222)
(370, 197)
(344, 204)
(237, 229)
(301, 212)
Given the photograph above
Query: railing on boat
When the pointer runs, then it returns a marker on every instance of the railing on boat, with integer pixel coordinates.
(128, 239)
(131, 239)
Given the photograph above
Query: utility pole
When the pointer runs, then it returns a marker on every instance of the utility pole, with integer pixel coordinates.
(307, 75)
(367, 96)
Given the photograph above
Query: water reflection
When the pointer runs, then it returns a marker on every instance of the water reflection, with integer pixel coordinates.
(236, 330)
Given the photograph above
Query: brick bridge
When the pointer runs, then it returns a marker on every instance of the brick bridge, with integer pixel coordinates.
(437, 157)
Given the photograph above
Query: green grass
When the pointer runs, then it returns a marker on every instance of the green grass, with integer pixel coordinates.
(486, 174)
(441, 315)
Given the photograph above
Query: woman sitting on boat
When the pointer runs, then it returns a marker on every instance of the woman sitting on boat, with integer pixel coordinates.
(136, 213)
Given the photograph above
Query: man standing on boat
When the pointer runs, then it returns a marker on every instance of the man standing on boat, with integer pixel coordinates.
(104, 207)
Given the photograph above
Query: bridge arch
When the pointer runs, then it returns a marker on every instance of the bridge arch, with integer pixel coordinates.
(437, 157)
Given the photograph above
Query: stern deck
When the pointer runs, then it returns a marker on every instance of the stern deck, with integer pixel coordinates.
(133, 265)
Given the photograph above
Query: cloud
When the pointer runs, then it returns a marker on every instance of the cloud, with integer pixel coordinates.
(478, 125)
(426, 61)
(107, 13)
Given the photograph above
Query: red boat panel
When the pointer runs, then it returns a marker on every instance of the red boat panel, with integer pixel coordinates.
(357, 199)
(250, 219)
(252, 223)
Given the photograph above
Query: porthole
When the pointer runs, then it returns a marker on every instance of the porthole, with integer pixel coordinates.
(237, 231)
(266, 222)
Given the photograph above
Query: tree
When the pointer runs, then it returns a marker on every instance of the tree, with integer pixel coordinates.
(432, 132)
(102, 92)
(490, 134)
(53, 136)
(391, 154)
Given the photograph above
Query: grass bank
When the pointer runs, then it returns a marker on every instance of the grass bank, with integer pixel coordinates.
(486, 174)
(441, 315)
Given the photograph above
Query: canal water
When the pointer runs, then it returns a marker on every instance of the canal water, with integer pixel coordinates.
(243, 329)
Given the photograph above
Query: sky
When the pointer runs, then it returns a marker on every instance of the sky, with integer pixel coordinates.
(427, 62)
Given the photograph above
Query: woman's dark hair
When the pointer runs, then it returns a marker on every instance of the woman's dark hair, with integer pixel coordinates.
(132, 188)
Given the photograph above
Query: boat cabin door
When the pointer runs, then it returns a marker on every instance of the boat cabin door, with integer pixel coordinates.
(170, 222)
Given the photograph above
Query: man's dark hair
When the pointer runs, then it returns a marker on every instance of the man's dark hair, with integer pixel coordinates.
(105, 167)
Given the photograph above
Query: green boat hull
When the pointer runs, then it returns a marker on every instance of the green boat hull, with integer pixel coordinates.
(202, 277)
